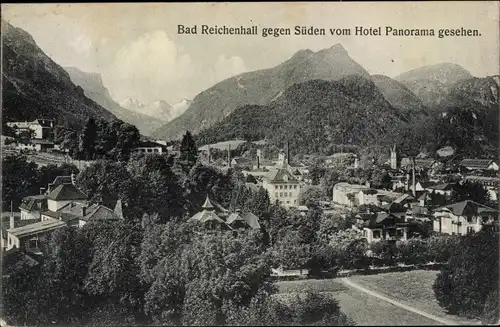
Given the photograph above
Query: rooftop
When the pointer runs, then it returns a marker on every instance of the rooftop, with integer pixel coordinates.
(66, 192)
(476, 163)
(467, 208)
(42, 226)
(281, 175)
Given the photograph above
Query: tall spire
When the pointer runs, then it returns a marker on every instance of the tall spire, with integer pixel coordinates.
(207, 205)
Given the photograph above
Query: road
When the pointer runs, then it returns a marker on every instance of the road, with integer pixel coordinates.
(439, 320)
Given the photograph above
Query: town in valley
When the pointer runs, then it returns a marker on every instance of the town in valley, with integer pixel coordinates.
(310, 192)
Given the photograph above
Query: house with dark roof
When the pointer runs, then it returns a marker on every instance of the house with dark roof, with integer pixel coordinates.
(209, 218)
(214, 217)
(243, 220)
(463, 217)
(59, 180)
(32, 206)
(479, 164)
(77, 214)
(64, 194)
(378, 226)
(15, 260)
(282, 186)
(242, 162)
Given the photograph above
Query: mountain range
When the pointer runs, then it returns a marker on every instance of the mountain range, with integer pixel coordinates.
(159, 109)
(415, 92)
(316, 115)
(34, 86)
(260, 87)
(311, 98)
(93, 88)
(431, 83)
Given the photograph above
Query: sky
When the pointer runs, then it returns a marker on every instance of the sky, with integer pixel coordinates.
(138, 52)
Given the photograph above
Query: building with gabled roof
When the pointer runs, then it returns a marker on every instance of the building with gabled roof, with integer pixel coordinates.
(41, 127)
(59, 180)
(378, 226)
(209, 218)
(241, 162)
(64, 194)
(243, 220)
(463, 217)
(64, 205)
(29, 236)
(479, 164)
(32, 206)
(282, 186)
(77, 214)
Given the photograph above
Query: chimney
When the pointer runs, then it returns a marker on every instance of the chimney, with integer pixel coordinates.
(84, 211)
(287, 152)
(258, 162)
(11, 221)
(42, 189)
(229, 155)
(413, 184)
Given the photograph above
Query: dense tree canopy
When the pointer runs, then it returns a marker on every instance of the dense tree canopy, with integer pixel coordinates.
(464, 285)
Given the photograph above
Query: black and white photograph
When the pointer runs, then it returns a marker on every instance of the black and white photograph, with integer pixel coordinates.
(250, 164)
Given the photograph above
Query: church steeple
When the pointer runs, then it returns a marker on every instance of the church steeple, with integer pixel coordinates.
(394, 157)
(207, 205)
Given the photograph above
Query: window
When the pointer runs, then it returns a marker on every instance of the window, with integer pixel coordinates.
(150, 150)
(288, 202)
(376, 234)
(285, 187)
(294, 201)
(276, 195)
(156, 150)
(281, 194)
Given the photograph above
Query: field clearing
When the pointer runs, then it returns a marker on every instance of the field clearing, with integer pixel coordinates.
(413, 288)
(314, 285)
(362, 308)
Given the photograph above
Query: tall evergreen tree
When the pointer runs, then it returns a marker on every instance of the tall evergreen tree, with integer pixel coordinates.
(88, 140)
(189, 151)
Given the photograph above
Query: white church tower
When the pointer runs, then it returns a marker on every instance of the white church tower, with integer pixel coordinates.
(394, 157)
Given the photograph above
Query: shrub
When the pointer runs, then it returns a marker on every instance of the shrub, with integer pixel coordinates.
(384, 253)
(413, 251)
(441, 247)
(491, 312)
(471, 275)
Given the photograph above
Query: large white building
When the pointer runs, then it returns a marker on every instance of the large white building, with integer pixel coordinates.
(282, 186)
(346, 194)
(40, 127)
(352, 195)
(463, 217)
